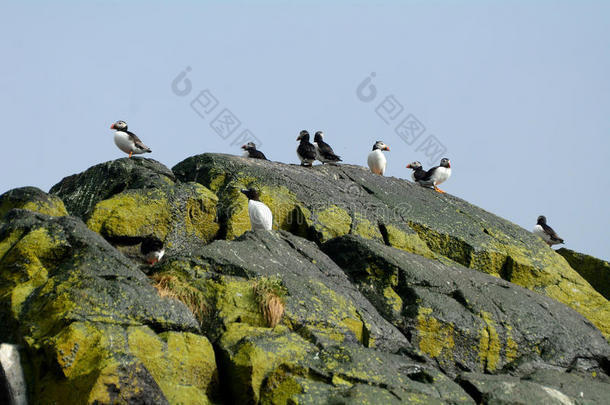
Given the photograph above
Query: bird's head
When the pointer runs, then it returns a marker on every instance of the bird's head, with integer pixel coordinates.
(445, 163)
(251, 193)
(541, 220)
(249, 145)
(381, 146)
(318, 136)
(119, 126)
(303, 135)
(414, 165)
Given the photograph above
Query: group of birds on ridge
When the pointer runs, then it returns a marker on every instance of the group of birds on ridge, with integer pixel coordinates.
(261, 217)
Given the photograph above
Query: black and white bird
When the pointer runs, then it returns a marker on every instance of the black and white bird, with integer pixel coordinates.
(376, 160)
(252, 152)
(152, 250)
(324, 153)
(436, 175)
(306, 151)
(127, 141)
(261, 217)
(546, 232)
(418, 171)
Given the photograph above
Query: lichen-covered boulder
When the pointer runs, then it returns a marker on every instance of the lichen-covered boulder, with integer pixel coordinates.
(32, 199)
(327, 201)
(592, 269)
(81, 192)
(181, 216)
(93, 327)
(465, 319)
(540, 387)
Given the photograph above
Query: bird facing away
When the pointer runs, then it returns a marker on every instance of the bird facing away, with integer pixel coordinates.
(153, 250)
(261, 217)
(252, 152)
(418, 171)
(127, 141)
(546, 232)
(376, 160)
(306, 151)
(324, 153)
(436, 175)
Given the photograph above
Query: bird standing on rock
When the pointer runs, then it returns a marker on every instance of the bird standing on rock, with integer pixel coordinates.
(376, 160)
(324, 153)
(418, 172)
(127, 141)
(436, 175)
(252, 152)
(261, 217)
(306, 151)
(546, 232)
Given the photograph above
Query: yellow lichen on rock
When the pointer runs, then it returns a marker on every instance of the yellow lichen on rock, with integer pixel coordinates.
(434, 337)
(332, 221)
(489, 344)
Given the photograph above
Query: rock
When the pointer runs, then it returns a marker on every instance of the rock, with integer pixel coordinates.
(81, 192)
(327, 201)
(32, 199)
(464, 319)
(93, 327)
(594, 270)
(546, 387)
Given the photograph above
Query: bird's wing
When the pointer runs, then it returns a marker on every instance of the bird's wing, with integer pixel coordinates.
(257, 154)
(307, 150)
(428, 175)
(137, 141)
(549, 231)
(260, 215)
(327, 152)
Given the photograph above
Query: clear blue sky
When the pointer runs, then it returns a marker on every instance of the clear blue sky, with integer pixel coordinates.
(518, 92)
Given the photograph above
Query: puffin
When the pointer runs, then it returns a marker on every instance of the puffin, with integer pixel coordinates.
(436, 175)
(546, 232)
(306, 151)
(261, 217)
(127, 141)
(252, 152)
(324, 153)
(376, 160)
(418, 171)
(152, 250)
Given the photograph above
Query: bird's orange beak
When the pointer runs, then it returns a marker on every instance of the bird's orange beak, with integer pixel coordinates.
(409, 166)
(387, 148)
(112, 126)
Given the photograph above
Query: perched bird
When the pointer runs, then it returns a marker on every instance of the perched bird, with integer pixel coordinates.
(153, 250)
(546, 232)
(418, 172)
(324, 153)
(436, 175)
(261, 217)
(127, 141)
(306, 151)
(252, 152)
(376, 160)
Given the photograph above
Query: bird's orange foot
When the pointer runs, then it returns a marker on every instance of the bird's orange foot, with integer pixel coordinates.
(130, 153)
(439, 190)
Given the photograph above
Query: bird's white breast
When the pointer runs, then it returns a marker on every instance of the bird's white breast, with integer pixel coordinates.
(155, 255)
(377, 162)
(261, 217)
(124, 142)
(441, 174)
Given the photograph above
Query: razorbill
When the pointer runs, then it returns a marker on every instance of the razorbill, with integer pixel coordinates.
(306, 151)
(252, 152)
(436, 175)
(127, 141)
(153, 250)
(261, 217)
(546, 232)
(376, 160)
(418, 171)
(324, 153)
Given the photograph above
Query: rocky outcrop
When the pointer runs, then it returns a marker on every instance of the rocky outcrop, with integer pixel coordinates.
(327, 201)
(592, 269)
(369, 290)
